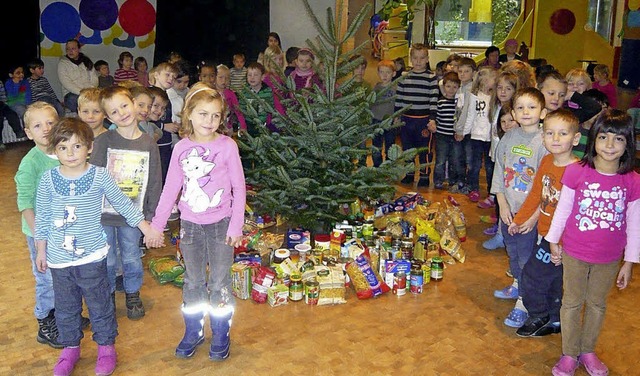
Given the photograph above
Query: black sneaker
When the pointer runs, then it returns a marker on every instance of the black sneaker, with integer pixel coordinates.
(531, 326)
(48, 331)
(135, 309)
(549, 328)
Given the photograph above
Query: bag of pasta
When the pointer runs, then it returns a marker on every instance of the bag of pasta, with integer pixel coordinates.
(367, 282)
(451, 244)
(459, 223)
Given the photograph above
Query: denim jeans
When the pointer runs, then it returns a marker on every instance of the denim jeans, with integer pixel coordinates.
(44, 285)
(448, 151)
(388, 138)
(541, 284)
(414, 134)
(479, 150)
(127, 239)
(71, 102)
(519, 248)
(88, 281)
(586, 285)
(201, 245)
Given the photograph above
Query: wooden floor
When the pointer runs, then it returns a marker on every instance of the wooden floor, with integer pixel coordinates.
(454, 328)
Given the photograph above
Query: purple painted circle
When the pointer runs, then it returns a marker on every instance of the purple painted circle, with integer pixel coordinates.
(99, 14)
(562, 21)
(60, 22)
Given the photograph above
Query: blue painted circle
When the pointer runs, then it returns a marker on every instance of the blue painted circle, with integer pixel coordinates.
(633, 20)
(60, 22)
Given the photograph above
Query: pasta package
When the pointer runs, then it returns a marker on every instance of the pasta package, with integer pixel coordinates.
(366, 281)
(450, 243)
(332, 285)
(424, 227)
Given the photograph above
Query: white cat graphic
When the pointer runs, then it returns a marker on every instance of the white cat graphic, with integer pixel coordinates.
(194, 168)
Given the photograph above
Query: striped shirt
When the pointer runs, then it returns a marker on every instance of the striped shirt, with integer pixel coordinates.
(122, 74)
(68, 215)
(420, 91)
(41, 88)
(446, 116)
(238, 78)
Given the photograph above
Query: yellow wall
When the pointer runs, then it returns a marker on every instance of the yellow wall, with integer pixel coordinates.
(481, 11)
(564, 51)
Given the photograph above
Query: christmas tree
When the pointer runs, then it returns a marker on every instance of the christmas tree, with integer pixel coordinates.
(315, 164)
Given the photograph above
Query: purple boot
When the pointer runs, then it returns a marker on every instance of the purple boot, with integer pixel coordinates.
(67, 360)
(106, 363)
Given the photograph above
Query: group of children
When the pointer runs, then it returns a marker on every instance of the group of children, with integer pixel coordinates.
(87, 193)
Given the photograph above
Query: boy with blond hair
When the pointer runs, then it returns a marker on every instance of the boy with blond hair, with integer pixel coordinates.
(541, 280)
(419, 89)
(238, 74)
(383, 108)
(90, 111)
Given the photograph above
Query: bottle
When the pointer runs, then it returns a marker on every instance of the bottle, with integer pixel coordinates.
(296, 290)
(437, 269)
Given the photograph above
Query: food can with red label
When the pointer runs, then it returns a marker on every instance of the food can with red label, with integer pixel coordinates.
(311, 292)
(399, 283)
(416, 280)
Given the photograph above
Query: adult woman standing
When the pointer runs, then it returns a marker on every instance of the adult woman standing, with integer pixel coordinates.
(75, 72)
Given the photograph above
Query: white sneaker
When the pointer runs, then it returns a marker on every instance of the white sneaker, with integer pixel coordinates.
(175, 213)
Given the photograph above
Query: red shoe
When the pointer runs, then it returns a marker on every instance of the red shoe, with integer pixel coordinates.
(453, 201)
(474, 196)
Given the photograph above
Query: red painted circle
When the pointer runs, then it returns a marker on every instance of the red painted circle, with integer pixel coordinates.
(562, 21)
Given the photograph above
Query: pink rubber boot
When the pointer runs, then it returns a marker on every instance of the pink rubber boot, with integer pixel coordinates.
(67, 361)
(106, 363)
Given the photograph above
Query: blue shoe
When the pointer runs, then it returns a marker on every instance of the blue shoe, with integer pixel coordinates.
(508, 292)
(516, 318)
(494, 243)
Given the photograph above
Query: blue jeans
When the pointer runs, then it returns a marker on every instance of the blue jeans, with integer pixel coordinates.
(412, 136)
(88, 281)
(540, 284)
(201, 245)
(44, 285)
(71, 102)
(127, 239)
(388, 138)
(448, 150)
(478, 150)
(519, 248)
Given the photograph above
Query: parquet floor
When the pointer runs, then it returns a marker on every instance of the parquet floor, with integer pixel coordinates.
(454, 328)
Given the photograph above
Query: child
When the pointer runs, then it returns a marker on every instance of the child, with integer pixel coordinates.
(382, 109)
(71, 243)
(452, 63)
(140, 65)
(304, 76)
(466, 71)
(603, 83)
(177, 92)
(143, 99)
(517, 158)
(506, 87)
(578, 80)
(290, 56)
(541, 281)
(105, 79)
(448, 150)
(256, 87)
(38, 120)
(90, 111)
(400, 67)
(125, 70)
(358, 73)
(238, 74)
(206, 167)
(207, 73)
(597, 220)
(236, 121)
(510, 48)
(41, 89)
(420, 90)
(163, 76)
(474, 125)
(133, 160)
(12, 117)
(18, 91)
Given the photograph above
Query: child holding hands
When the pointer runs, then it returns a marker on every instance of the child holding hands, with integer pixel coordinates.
(597, 219)
(71, 243)
(206, 168)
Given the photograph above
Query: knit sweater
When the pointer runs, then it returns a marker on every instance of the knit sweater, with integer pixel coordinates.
(75, 77)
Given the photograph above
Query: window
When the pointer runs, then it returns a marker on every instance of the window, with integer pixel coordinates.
(600, 17)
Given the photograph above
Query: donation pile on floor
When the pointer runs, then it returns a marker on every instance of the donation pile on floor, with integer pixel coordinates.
(398, 247)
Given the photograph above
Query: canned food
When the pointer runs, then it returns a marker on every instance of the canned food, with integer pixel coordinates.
(312, 292)
(295, 288)
(399, 283)
(416, 280)
(437, 269)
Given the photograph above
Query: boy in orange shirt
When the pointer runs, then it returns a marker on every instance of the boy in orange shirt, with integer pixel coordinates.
(541, 281)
